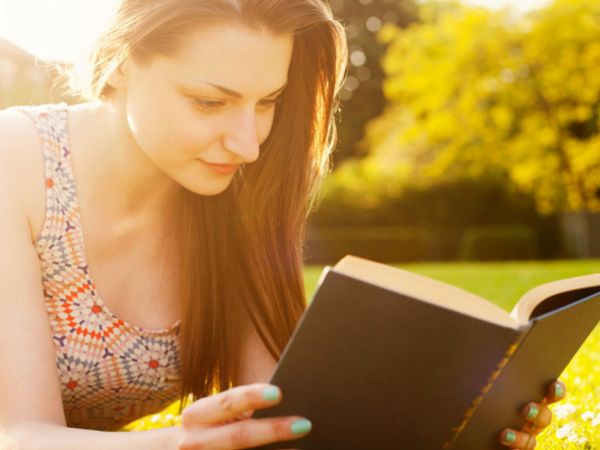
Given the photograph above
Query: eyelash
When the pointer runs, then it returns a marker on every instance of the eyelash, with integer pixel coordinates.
(214, 105)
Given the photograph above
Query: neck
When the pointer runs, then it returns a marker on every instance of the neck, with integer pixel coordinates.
(121, 178)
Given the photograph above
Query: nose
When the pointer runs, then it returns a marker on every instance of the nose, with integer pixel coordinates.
(241, 137)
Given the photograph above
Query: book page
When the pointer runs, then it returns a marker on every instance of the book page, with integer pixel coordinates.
(527, 303)
(424, 288)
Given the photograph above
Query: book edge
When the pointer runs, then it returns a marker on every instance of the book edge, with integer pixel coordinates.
(423, 288)
(522, 310)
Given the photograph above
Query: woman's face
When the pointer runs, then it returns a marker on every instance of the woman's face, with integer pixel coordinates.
(212, 103)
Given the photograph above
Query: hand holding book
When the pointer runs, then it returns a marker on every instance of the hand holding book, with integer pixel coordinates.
(538, 417)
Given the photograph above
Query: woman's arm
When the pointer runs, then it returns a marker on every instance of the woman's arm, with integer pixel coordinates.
(31, 410)
(43, 436)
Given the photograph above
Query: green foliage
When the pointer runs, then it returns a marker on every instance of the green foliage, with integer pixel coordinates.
(577, 417)
(470, 90)
(369, 193)
(327, 245)
(362, 95)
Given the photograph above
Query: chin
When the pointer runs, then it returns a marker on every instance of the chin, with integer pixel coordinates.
(209, 189)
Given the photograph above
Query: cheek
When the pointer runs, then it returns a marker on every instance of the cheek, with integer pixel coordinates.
(170, 134)
(148, 124)
(196, 132)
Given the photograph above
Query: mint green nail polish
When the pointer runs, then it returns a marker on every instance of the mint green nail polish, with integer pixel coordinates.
(510, 437)
(533, 412)
(301, 426)
(271, 393)
(558, 390)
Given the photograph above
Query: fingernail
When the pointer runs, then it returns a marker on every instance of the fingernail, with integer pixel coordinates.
(558, 390)
(271, 393)
(510, 437)
(301, 426)
(533, 411)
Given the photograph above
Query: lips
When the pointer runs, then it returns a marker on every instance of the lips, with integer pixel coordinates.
(222, 169)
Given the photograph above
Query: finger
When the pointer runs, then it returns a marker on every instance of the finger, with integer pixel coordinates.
(230, 405)
(530, 428)
(247, 434)
(244, 415)
(517, 439)
(557, 390)
(537, 414)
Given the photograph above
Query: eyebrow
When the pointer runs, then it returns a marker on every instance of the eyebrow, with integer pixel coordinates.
(235, 94)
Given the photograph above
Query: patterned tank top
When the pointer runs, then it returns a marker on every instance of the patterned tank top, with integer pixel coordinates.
(111, 372)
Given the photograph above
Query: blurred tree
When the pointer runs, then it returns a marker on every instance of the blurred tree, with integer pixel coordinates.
(362, 96)
(470, 90)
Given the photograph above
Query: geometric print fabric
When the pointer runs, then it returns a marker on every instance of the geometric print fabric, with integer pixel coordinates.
(111, 372)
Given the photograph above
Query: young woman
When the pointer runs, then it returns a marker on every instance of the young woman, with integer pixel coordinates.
(152, 237)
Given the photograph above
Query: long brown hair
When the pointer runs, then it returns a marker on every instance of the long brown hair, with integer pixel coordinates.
(242, 250)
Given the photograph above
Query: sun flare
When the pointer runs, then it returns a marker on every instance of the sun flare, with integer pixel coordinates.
(64, 29)
(54, 29)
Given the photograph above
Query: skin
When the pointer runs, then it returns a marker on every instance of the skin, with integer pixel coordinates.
(222, 421)
(161, 120)
(150, 135)
(525, 438)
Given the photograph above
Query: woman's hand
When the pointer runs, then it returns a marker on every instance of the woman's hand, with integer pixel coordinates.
(538, 417)
(222, 421)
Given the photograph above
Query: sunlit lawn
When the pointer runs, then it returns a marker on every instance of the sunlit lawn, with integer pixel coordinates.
(576, 423)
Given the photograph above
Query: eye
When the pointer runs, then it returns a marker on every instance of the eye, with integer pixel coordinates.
(209, 105)
(215, 105)
(268, 104)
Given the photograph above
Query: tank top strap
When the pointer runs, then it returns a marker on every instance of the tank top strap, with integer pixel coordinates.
(51, 121)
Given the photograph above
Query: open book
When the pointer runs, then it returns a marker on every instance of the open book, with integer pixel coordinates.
(387, 359)
(540, 298)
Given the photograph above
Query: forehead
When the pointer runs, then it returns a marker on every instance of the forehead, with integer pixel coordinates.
(252, 62)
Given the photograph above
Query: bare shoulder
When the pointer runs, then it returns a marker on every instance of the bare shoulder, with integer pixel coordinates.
(22, 164)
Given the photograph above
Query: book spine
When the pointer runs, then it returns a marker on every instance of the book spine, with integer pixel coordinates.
(484, 390)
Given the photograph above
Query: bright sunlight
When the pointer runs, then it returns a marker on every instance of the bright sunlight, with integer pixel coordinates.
(64, 29)
(54, 29)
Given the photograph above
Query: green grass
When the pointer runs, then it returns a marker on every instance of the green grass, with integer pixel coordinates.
(576, 422)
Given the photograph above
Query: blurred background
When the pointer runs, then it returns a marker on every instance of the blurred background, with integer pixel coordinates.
(468, 130)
